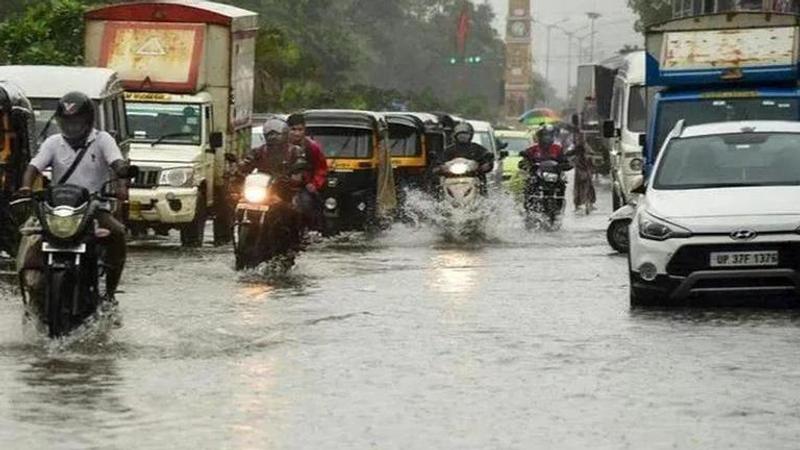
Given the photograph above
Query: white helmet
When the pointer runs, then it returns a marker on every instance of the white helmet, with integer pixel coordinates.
(276, 132)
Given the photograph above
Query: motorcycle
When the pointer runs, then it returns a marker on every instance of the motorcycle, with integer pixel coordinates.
(64, 289)
(545, 194)
(461, 192)
(267, 227)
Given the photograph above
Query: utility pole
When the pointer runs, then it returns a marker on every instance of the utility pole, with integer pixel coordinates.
(549, 27)
(570, 38)
(593, 16)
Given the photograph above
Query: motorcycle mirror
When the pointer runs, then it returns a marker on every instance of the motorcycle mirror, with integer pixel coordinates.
(639, 186)
(504, 153)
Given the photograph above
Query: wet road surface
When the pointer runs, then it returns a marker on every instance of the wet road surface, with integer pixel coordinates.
(404, 341)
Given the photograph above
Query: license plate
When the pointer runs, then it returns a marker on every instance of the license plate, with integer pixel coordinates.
(745, 259)
(49, 248)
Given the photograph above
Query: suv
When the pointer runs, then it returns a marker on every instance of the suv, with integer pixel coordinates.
(720, 215)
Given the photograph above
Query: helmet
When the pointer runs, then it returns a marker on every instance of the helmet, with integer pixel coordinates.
(276, 132)
(463, 133)
(75, 116)
(546, 135)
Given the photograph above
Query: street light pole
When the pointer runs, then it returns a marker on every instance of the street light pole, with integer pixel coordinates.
(593, 16)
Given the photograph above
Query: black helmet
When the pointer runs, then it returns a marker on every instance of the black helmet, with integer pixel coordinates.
(546, 135)
(463, 133)
(75, 117)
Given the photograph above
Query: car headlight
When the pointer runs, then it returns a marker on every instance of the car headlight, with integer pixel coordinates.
(651, 227)
(637, 164)
(458, 168)
(64, 222)
(181, 177)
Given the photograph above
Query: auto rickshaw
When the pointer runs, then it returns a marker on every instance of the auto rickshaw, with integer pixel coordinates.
(16, 144)
(409, 148)
(361, 192)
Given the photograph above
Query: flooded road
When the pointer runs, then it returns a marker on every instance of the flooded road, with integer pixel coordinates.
(404, 341)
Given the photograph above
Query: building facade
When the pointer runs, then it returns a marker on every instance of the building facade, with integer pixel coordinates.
(519, 62)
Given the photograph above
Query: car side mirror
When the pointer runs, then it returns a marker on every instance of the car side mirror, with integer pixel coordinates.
(609, 129)
(639, 186)
(642, 140)
(216, 140)
(504, 153)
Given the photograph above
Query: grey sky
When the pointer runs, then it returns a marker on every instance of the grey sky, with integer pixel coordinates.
(614, 30)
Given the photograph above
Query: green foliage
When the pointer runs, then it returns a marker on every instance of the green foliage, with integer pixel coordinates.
(650, 11)
(49, 32)
(319, 53)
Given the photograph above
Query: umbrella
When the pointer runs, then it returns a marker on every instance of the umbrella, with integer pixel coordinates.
(539, 116)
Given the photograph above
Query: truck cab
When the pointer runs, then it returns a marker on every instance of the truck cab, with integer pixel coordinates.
(627, 127)
(717, 68)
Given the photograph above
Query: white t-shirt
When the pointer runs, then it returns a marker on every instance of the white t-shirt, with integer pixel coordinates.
(92, 172)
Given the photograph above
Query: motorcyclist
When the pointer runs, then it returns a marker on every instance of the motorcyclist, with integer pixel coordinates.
(288, 163)
(463, 147)
(83, 156)
(546, 148)
(317, 174)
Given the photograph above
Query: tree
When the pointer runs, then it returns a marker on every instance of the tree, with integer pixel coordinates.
(650, 12)
(49, 32)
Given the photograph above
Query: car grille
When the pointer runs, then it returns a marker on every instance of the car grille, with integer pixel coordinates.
(147, 178)
(693, 258)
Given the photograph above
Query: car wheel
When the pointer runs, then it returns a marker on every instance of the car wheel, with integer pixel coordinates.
(617, 235)
(193, 232)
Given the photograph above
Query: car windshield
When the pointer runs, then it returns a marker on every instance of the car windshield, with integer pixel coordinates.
(339, 142)
(169, 123)
(637, 109)
(699, 112)
(730, 160)
(516, 144)
(485, 139)
(404, 141)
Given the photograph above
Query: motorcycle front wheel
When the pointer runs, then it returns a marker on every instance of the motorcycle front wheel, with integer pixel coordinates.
(61, 287)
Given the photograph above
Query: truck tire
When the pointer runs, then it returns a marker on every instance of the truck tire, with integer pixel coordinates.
(223, 218)
(192, 233)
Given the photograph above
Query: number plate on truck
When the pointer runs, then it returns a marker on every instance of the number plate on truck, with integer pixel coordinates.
(745, 259)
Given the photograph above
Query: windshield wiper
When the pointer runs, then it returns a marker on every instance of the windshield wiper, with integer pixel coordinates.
(171, 135)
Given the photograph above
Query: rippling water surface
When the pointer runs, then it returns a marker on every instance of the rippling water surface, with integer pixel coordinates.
(404, 341)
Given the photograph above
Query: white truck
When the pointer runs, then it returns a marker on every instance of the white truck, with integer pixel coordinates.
(188, 71)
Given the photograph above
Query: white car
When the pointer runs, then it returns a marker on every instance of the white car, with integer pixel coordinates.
(720, 215)
(484, 135)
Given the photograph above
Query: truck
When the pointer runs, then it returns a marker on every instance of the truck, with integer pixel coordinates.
(594, 90)
(713, 68)
(188, 71)
(718, 68)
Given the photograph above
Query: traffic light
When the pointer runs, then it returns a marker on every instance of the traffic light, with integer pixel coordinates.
(465, 60)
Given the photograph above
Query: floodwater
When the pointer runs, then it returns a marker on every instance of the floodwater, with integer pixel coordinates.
(403, 341)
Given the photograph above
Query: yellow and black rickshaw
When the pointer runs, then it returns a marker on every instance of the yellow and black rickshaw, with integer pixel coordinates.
(360, 192)
(16, 145)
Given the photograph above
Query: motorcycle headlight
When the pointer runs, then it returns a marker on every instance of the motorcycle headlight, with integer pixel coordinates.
(458, 168)
(180, 177)
(550, 177)
(653, 228)
(331, 203)
(256, 187)
(64, 222)
(637, 164)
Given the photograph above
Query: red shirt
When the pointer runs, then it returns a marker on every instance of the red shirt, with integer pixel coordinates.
(536, 153)
(318, 174)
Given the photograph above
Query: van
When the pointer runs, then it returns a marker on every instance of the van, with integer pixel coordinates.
(45, 85)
